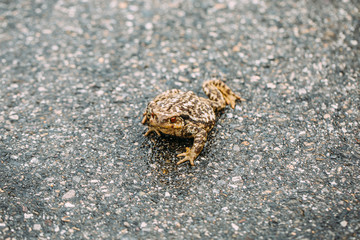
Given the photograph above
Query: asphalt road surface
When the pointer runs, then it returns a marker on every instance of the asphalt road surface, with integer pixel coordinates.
(76, 77)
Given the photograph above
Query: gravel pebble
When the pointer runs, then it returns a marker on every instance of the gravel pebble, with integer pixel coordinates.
(68, 195)
(37, 227)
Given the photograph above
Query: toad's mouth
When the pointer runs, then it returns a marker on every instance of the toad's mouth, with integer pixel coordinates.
(168, 126)
(164, 125)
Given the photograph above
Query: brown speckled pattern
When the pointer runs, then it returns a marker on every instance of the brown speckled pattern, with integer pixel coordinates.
(184, 114)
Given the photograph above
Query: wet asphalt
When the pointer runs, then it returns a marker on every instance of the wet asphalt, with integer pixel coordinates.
(76, 77)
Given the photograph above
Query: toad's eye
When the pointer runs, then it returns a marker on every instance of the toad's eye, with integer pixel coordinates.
(152, 114)
(173, 119)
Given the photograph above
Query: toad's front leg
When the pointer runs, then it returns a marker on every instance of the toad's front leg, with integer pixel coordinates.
(200, 136)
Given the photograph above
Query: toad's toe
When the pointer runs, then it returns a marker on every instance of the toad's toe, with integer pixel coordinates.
(188, 156)
(231, 99)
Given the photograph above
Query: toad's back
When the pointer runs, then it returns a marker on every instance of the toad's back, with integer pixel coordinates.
(186, 104)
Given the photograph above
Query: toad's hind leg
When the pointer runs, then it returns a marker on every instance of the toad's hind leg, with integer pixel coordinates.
(220, 94)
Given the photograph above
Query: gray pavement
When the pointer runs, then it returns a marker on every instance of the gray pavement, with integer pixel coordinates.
(77, 75)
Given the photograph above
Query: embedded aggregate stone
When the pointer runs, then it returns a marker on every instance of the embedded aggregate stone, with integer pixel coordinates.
(76, 77)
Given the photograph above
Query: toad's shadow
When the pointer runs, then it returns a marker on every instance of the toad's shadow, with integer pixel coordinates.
(162, 158)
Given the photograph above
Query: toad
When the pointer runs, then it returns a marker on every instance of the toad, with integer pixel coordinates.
(184, 114)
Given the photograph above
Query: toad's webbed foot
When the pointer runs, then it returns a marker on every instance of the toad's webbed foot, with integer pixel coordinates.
(231, 98)
(152, 129)
(188, 156)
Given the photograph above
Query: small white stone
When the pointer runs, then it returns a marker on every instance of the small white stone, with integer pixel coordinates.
(100, 93)
(354, 42)
(69, 194)
(235, 179)
(54, 47)
(69, 205)
(37, 227)
(240, 118)
(27, 216)
(183, 79)
(148, 26)
(42, 89)
(143, 224)
(34, 160)
(2, 225)
(14, 117)
(57, 112)
(167, 194)
(14, 85)
(225, 209)
(236, 148)
(77, 179)
(327, 116)
(343, 223)
(234, 226)
(302, 133)
(183, 67)
(302, 91)
(271, 85)
(134, 8)
(254, 78)
(192, 60)
(47, 31)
